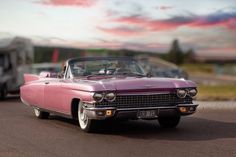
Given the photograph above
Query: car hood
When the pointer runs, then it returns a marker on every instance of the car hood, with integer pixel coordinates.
(129, 84)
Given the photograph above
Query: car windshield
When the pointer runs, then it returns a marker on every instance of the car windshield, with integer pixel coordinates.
(105, 67)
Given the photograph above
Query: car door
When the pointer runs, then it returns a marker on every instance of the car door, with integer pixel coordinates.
(52, 95)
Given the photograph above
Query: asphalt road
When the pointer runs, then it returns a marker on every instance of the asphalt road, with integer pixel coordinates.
(207, 133)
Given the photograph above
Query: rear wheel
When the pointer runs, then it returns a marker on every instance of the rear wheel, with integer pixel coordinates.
(169, 122)
(41, 114)
(3, 92)
(86, 124)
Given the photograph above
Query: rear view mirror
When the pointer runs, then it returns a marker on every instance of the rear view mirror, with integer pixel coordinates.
(45, 74)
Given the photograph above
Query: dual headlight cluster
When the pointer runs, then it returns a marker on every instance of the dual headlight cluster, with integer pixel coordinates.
(111, 96)
(99, 97)
(182, 93)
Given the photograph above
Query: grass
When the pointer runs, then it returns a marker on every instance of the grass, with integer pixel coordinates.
(208, 92)
(199, 68)
(204, 68)
(216, 92)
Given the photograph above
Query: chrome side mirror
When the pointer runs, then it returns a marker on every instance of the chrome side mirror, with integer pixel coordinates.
(45, 74)
(149, 74)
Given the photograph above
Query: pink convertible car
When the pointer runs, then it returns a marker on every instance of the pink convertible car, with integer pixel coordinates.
(100, 88)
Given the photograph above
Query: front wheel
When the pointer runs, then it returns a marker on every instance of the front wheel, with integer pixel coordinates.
(41, 114)
(86, 124)
(169, 122)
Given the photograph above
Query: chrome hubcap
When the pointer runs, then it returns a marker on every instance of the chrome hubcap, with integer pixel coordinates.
(36, 112)
(83, 119)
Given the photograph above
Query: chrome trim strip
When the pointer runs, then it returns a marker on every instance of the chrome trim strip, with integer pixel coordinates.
(141, 108)
(91, 111)
(146, 108)
(187, 105)
(142, 93)
(98, 109)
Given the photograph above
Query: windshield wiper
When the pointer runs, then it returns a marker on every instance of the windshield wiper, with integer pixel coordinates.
(131, 74)
(92, 75)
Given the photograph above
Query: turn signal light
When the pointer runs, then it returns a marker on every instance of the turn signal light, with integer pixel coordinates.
(183, 109)
(108, 112)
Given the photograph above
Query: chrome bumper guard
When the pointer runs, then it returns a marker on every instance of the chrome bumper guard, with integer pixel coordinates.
(108, 112)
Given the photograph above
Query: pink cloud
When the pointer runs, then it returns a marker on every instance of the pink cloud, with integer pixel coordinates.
(131, 20)
(153, 25)
(217, 19)
(227, 23)
(80, 3)
(122, 31)
(163, 25)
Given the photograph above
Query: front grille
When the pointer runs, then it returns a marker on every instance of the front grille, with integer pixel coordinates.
(136, 101)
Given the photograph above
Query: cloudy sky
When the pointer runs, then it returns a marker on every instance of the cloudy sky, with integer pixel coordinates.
(207, 26)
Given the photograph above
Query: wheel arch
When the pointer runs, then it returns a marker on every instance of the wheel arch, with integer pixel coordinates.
(74, 107)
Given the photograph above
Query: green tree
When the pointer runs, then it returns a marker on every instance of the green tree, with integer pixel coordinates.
(189, 56)
(175, 54)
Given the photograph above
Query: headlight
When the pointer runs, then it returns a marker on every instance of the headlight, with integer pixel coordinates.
(110, 97)
(98, 97)
(192, 92)
(181, 93)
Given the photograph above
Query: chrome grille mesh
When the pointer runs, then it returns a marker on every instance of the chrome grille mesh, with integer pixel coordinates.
(136, 101)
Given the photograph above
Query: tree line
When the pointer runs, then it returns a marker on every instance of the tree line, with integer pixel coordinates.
(175, 54)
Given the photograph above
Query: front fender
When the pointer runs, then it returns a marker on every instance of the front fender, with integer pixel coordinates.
(70, 94)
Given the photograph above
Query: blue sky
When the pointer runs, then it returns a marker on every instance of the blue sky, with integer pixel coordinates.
(207, 26)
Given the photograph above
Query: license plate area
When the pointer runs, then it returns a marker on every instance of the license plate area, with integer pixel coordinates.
(146, 114)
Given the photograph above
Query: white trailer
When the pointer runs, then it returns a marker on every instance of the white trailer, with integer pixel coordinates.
(16, 56)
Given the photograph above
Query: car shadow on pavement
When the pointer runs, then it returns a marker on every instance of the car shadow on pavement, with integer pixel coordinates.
(11, 98)
(190, 129)
(63, 119)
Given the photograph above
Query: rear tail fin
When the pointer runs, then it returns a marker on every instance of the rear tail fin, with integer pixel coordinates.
(30, 77)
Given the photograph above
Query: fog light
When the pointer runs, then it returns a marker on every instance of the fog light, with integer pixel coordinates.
(100, 113)
(192, 109)
(108, 112)
(183, 109)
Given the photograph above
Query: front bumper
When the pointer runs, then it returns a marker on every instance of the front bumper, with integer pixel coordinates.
(131, 113)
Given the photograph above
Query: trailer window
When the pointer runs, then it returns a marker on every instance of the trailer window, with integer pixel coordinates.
(5, 61)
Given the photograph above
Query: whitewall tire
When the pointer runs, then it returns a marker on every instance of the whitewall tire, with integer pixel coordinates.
(85, 123)
(41, 114)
